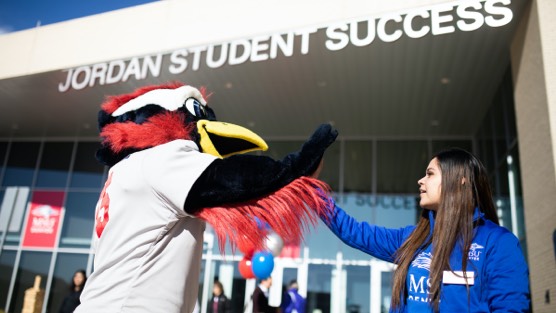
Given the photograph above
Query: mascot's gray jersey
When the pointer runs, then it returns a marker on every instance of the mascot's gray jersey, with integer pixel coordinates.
(148, 255)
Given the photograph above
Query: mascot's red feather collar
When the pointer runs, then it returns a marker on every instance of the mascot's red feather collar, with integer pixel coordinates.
(173, 166)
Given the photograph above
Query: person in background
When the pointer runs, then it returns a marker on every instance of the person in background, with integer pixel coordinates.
(292, 301)
(219, 302)
(71, 301)
(260, 297)
(457, 258)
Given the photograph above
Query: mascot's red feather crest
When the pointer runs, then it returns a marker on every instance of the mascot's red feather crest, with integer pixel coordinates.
(160, 129)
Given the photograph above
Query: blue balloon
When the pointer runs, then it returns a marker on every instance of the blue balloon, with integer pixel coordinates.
(262, 264)
(261, 224)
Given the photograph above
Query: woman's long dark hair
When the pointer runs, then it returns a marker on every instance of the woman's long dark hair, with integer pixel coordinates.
(464, 187)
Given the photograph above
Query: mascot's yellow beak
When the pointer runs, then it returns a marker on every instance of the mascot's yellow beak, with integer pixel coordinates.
(224, 139)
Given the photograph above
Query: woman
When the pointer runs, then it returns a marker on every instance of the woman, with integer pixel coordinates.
(71, 301)
(457, 258)
(219, 302)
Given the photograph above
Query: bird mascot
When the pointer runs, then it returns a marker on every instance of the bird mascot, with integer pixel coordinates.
(173, 168)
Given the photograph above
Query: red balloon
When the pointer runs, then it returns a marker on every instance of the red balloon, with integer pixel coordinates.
(246, 247)
(245, 268)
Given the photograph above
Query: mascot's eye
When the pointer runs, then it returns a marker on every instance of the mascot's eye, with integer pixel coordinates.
(196, 108)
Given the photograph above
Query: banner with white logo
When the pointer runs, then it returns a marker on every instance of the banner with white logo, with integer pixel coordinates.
(43, 219)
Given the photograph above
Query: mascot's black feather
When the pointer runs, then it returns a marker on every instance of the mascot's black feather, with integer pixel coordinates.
(235, 190)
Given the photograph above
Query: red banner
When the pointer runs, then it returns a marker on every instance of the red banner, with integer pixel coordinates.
(43, 220)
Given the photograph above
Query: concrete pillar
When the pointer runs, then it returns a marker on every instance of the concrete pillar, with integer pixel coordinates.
(534, 73)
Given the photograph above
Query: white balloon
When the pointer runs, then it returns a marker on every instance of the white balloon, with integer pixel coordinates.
(274, 243)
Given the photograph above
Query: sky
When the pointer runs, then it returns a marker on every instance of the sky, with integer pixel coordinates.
(16, 15)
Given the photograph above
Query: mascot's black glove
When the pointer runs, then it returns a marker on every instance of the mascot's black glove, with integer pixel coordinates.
(244, 177)
(306, 161)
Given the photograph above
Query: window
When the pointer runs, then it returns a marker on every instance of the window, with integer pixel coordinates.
(66, 265)
(7, 260)
(386, 283)
(3, 150)
(400, 164)
(55, 163)
(318, 288)
(358, 160)
(330, 172)
(31, 264)
(358, 289)
(21, 164)
(394, 211)
(87, 171)
(12, 212)
(77, 229)
(322, 243)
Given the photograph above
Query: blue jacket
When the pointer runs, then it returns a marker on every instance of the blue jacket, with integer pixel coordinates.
(293, 302)
(501, 276)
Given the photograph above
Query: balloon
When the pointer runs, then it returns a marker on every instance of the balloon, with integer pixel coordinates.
(274, 243)
(262, 264)
(246, 247)
(245, 268)
(261, 224)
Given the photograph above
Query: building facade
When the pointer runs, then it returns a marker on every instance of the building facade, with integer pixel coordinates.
(400, 82)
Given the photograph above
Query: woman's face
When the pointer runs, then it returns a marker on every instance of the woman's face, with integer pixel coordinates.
(216, 290)
(430, 186)
(78, 279)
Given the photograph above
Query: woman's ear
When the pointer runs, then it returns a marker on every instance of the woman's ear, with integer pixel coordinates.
(463, 180)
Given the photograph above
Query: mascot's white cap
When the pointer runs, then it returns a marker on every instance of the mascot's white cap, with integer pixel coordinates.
(170, 99)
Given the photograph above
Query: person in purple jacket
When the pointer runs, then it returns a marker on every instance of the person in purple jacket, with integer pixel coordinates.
(457, 258)
(292, 301)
